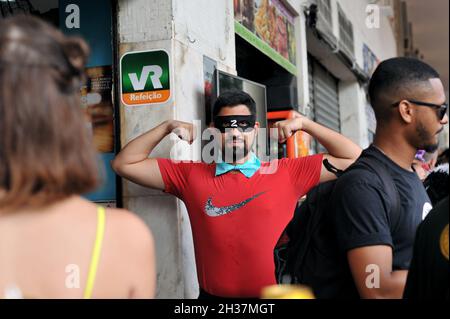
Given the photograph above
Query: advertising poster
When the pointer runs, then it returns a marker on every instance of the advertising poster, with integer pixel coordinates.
(92, 21)
(370, 60)
(209, 67)
(271, 22)
(97, 101)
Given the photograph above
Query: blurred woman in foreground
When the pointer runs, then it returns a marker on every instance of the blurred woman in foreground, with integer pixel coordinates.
(54, 243)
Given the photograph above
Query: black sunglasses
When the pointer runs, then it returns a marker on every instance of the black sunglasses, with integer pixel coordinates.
(244, 123)
(442, 109)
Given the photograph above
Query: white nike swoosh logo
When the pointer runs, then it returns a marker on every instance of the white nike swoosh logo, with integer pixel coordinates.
(214, 211)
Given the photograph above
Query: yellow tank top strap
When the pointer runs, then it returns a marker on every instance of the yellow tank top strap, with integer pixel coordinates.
(96, 252)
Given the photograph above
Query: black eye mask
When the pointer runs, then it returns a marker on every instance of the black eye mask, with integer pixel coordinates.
(244, 123)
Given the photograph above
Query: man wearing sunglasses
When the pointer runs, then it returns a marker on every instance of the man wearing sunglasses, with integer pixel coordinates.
(239, 205)
(375, 229)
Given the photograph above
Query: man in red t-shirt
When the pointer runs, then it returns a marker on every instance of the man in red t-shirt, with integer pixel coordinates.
(238, 207)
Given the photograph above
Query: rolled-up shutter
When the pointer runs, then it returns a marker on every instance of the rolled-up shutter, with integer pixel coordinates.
(324, 97)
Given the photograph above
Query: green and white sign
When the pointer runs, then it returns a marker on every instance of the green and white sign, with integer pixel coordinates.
(145, 77)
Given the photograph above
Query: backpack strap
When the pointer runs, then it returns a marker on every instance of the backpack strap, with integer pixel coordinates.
(332, 169)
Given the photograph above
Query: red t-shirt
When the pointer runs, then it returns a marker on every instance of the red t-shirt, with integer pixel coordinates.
(236, 221)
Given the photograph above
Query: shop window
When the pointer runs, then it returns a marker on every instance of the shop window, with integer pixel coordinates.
(256, 66)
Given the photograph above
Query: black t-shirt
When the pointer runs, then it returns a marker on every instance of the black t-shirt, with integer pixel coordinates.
(428, 274)
(364, 215)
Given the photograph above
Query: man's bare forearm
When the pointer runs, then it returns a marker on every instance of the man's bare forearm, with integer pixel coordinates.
(336, 144)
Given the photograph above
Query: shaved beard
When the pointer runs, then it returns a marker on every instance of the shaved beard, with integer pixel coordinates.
(424, 136)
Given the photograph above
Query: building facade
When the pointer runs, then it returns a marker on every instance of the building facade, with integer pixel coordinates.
(323, 76)
(314, 56)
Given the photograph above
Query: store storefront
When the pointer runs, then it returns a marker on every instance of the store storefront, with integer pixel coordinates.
(266, 53)
(266, 49)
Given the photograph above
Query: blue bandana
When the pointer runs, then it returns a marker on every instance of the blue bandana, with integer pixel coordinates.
(249, 168)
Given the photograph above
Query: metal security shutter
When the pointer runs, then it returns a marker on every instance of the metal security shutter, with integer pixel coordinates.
(311, 114)
(311, 88)
(324, 97)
